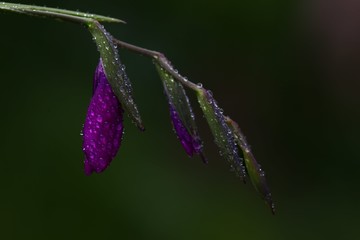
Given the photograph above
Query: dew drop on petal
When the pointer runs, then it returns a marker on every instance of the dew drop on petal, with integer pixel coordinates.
(99, 119)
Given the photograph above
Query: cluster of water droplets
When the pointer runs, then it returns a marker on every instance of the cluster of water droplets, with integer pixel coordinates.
(178, 97)
(254, 170)
(181, 112)
(223, 135)
(103, 128)
(115, 71)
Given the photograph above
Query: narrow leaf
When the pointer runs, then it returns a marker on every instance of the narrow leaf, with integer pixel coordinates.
(221, 131)
(256, 174)
(54, 12)
(115, 71)
(181, 114)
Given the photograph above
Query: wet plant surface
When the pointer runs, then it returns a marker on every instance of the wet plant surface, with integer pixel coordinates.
(298, 110)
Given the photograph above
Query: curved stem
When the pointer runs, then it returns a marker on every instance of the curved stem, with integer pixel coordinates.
(161, 60)
(142, 51)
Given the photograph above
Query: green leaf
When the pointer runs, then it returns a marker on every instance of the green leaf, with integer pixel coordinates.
(221, 132)
(256, 174)
(115, 71)
(177, 97)
(56, 13)
(180, 106)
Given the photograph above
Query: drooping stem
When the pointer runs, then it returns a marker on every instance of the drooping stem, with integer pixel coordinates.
(227, 133)
(85, 18)
(139, 50)
(161, 60)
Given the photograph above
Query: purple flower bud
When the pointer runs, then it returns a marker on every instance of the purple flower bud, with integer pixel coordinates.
(103, 127)
(190, 142)
(181, 114)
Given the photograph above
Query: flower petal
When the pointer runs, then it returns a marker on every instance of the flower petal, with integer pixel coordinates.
(103, 127)
(191, 144)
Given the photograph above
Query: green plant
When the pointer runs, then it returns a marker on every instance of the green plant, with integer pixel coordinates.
(113, 95)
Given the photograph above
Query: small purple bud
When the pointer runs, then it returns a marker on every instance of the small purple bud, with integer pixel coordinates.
(103, 127)
(191, 143)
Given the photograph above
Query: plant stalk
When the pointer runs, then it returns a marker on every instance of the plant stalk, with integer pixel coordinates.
(161, 60)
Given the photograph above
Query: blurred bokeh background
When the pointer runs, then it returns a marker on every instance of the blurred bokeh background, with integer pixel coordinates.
(286, 71)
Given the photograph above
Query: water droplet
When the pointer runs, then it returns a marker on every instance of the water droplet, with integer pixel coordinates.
(99, 118)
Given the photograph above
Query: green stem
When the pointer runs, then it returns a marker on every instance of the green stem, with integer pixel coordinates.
(161, 60)
(61, 14)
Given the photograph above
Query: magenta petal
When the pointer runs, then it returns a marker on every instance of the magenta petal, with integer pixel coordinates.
(191, 144)
(103, 127)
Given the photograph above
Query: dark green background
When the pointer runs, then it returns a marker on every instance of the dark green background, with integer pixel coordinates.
(269, 67)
